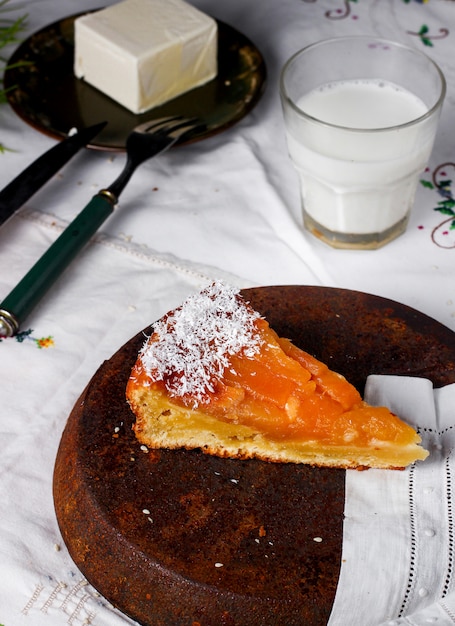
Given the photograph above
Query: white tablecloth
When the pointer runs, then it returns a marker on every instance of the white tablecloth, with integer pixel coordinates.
(225, 207)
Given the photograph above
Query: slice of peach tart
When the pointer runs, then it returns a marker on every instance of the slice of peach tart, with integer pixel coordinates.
(214, 376)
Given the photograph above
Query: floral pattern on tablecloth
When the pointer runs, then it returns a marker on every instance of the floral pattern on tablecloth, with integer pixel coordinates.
(443, 234)
(346, 8)
(26, 336)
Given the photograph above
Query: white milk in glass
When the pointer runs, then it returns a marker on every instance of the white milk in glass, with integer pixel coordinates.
(360, 181)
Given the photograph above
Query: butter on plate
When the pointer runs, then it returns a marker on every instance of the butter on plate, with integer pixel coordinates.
(143, 53)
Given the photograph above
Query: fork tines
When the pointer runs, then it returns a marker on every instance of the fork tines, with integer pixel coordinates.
(168, 125)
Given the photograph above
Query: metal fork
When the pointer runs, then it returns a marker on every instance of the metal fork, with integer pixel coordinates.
(144, 142)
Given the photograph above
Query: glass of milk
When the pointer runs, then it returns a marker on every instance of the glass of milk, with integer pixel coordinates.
(361, 116)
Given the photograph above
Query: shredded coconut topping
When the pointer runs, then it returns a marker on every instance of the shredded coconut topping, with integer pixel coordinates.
(190, 347)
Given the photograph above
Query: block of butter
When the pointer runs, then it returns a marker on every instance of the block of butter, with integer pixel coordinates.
(143, 53)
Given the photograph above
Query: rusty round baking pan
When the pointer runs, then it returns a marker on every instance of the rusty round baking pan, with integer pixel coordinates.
(180, 538)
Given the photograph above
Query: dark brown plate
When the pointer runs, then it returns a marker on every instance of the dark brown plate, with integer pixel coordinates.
(44, 92)
(181, 538)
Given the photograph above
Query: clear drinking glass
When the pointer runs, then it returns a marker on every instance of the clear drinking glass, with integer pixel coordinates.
(361, 116)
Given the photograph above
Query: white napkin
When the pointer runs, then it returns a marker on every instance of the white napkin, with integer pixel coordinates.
(398, 562)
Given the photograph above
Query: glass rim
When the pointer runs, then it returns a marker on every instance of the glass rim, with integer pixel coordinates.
(286, 98)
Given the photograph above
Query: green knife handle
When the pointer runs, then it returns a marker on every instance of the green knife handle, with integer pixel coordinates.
(29, 291)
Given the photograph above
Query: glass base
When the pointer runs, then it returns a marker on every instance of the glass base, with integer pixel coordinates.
(357, 241)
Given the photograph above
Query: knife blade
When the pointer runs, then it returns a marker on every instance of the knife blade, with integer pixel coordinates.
(19, 190)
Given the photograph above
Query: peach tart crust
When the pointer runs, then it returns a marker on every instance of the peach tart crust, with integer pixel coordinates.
(215, 376)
